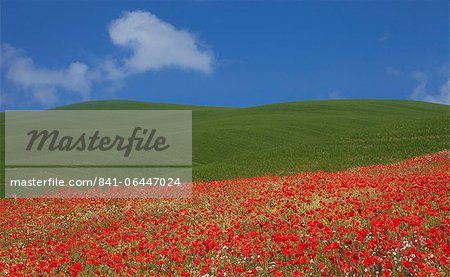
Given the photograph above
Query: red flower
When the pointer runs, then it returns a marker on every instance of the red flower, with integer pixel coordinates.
(407, 263)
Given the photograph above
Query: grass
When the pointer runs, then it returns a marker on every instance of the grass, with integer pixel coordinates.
(292, 137)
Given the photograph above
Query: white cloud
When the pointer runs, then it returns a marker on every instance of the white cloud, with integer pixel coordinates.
(4, 99)
(393, 71)
(154, 45)
(43, 83)
(420, 91)
(47, 96)
(335, 94)
(384, 37)
(443, 97)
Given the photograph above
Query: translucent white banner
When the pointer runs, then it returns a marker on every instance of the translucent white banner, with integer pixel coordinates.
(98, 138)
(98, 182)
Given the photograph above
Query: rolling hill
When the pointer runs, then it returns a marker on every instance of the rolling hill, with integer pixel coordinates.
(286, 138)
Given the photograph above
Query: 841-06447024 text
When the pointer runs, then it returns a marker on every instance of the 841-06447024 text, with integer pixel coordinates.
(97, 181)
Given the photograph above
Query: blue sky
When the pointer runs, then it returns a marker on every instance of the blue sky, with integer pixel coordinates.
(222, 53)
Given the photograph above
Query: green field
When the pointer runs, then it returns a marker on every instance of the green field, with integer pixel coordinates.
(292, 137)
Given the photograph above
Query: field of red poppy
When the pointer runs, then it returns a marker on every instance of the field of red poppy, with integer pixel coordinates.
(378, 220)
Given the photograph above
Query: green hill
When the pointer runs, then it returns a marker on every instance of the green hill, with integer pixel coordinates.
(304, 136)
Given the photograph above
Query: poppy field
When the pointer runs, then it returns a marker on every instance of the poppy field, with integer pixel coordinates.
(380, 220)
